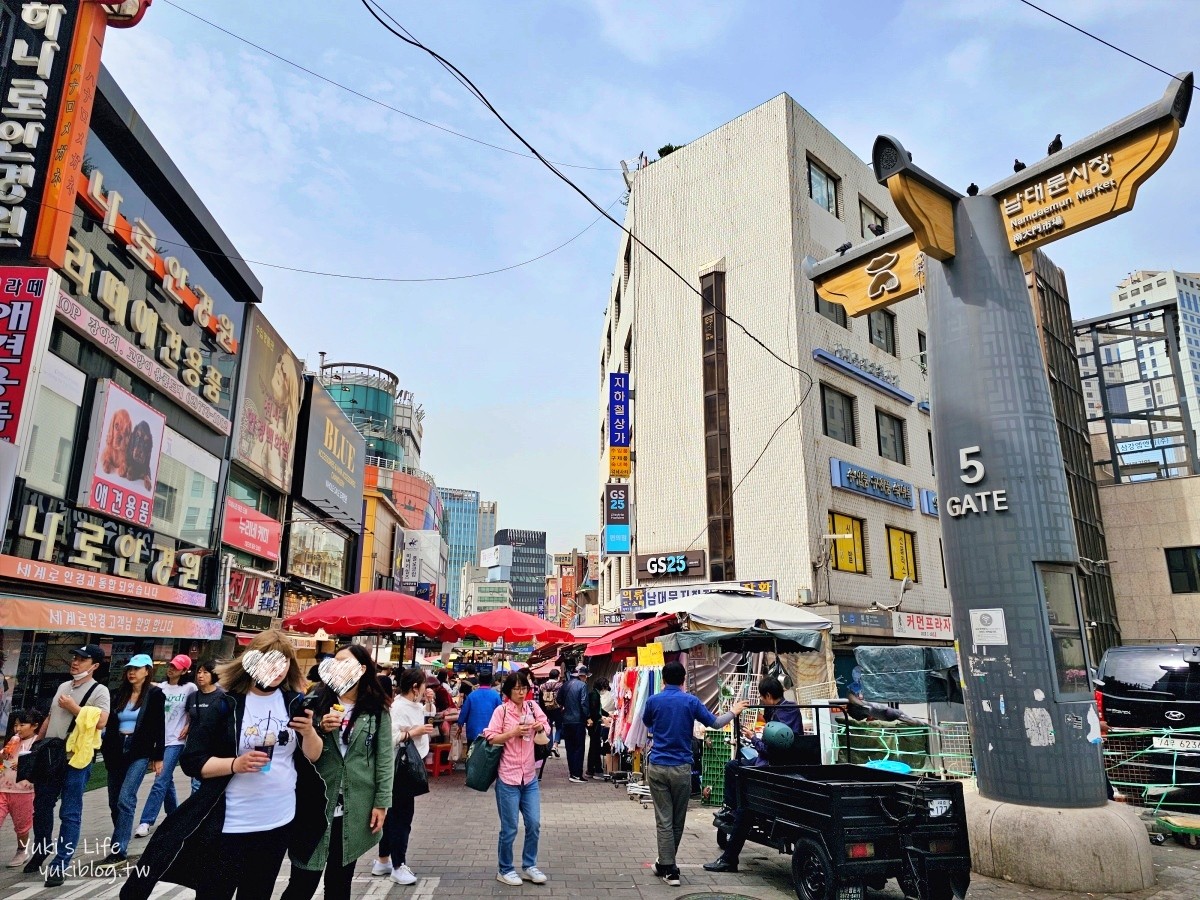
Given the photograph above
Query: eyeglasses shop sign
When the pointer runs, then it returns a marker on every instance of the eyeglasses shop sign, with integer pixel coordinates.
(333, 460)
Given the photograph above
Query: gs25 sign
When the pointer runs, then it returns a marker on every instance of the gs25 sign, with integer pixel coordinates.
(686, 563)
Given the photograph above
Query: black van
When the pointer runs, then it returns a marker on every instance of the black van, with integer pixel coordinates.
(1155, 688)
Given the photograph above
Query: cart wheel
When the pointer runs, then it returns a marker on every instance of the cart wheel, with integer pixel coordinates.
(812, 872)
(1187, 840)
(722, 838)
(939, 888)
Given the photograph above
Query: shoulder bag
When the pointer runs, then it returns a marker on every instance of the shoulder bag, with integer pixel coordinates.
(410, 778)
(46, 763)
(483, 765)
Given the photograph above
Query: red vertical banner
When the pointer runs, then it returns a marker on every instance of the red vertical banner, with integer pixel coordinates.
(23, 316)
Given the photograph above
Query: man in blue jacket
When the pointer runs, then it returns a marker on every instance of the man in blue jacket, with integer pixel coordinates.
(573, 698)
(477, 709)
(670, 716)
(777, 710)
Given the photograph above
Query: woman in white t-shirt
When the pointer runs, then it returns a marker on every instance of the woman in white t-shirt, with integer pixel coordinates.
(260, 794)
(176, 692)
(408, 724)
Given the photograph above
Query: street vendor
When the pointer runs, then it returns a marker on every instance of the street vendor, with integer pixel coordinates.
(779, 713)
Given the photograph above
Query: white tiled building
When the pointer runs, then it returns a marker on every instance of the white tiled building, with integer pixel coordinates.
(735, 212)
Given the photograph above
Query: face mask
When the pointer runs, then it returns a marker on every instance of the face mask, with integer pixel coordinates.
(79, 676)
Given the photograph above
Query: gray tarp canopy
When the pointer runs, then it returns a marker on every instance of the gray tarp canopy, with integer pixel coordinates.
(749, 640)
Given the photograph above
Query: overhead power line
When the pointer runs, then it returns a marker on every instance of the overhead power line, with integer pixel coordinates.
(378, 13)
(347, 276)
(368, 97)
(1094, 37)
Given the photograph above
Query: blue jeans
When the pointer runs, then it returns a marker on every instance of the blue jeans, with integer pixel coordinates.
(195, 785)
(163, 792)
(127, 804)
(70, 815)
(527, 799)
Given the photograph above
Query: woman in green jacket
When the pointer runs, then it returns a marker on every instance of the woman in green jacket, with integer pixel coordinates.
(356, 764)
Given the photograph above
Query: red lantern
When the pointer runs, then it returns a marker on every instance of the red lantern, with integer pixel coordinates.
(127, 13)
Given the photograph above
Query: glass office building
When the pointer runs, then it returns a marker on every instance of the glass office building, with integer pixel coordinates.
(460, 528)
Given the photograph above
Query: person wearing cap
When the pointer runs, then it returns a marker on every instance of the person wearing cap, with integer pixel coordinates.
(131, 745)
(573, 698)
(81, 690)
(176, 692)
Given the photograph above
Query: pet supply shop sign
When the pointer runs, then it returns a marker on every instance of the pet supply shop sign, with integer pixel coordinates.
(55, 545)
(24, 331)
(121, 466)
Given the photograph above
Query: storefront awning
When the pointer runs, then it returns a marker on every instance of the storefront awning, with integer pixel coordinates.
(56, 615)
(631, 635)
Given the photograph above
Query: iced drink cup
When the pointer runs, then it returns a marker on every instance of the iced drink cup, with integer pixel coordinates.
(267, 747)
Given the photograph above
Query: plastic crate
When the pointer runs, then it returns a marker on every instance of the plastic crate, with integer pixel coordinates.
(718, 750)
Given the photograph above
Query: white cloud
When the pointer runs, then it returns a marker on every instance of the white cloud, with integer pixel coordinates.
(652, 32)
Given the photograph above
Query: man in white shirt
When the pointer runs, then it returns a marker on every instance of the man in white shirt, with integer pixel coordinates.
(82, 690)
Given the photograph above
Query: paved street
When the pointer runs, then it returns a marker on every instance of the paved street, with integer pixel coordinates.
(595, 843)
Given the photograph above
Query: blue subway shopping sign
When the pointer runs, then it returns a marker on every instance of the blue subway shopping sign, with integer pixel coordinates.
(618, 409)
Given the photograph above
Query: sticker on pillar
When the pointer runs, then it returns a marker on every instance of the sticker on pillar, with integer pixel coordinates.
(988, 628)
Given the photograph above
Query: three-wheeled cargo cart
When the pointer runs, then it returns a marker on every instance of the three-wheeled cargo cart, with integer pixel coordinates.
(851, 827)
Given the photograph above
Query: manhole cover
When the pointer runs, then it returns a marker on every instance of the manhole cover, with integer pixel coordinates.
(714, 897)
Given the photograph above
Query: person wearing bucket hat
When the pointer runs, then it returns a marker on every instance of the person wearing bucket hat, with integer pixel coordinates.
(176, 691)
(82, 689)
(131, 745)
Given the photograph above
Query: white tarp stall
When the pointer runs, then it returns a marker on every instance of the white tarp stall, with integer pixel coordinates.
(732, 611)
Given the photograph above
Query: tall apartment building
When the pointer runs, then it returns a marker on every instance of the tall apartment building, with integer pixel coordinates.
(489, 512)
(817, 475)
(528, 566)
(460, 527)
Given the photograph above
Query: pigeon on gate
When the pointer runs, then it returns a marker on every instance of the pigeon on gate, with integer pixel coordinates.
(1055, 145)
(972, 189)
(1018, 165)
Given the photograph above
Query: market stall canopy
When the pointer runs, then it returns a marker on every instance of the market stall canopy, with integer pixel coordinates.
(734, 611)
(631, 635)
(376, 612)
(583, 635)
(511, 625)
(750, 640)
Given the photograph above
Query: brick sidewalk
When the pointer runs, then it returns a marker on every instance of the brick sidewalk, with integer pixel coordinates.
(595, 844)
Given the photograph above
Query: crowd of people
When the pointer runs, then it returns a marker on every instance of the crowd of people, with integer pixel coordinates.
(308, 767)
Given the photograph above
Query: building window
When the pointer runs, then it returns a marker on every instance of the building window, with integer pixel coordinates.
(1183, 568)
(834, 312)
(838, 415)
(891, 437)
(902, 554)
(846, 553)
(922, 352)
(871, 216)
(718, 466)
(823, 187)
(186, 471)
(882, 327)
(1066, 630)
(52, 439)
(932, 461)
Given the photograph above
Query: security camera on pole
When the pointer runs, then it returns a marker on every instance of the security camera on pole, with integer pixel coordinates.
(1041, 816)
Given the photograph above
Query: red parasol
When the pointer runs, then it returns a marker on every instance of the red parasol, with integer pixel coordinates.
(376, 612)
(512, 625)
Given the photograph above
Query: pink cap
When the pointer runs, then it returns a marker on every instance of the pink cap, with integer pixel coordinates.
(182, 662)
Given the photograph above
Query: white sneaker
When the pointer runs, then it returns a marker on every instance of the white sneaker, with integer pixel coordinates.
(509, 878)
(536, 875)
(402, 874)
(381, 868)
(143, 830)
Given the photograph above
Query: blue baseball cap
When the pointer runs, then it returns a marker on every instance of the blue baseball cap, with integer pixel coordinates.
(139, 660)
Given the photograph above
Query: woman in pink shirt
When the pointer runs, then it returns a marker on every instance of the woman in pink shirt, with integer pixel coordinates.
(513, 724)
(16, 797)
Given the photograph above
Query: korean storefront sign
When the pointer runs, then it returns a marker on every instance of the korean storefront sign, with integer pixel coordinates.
(924, 626)
(893, 272)
(247, 529)
(639, 599)
(254, 593)
(677, 564)
(616, 504)
(26, 306)
(31, 88)
(618, 409)
(620, 464)
(91, 553)
(120, 468)
(850, 477)
(617, 540)
(268, 404)
(53, 615)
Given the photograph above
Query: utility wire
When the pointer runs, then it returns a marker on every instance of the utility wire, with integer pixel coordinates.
(347, 276)
(367, 97)
(1094, 37)
(370, 6)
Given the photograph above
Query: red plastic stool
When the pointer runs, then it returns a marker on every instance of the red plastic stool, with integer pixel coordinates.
(439, 763)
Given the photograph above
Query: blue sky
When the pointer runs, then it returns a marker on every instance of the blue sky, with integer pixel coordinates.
(302, 174)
